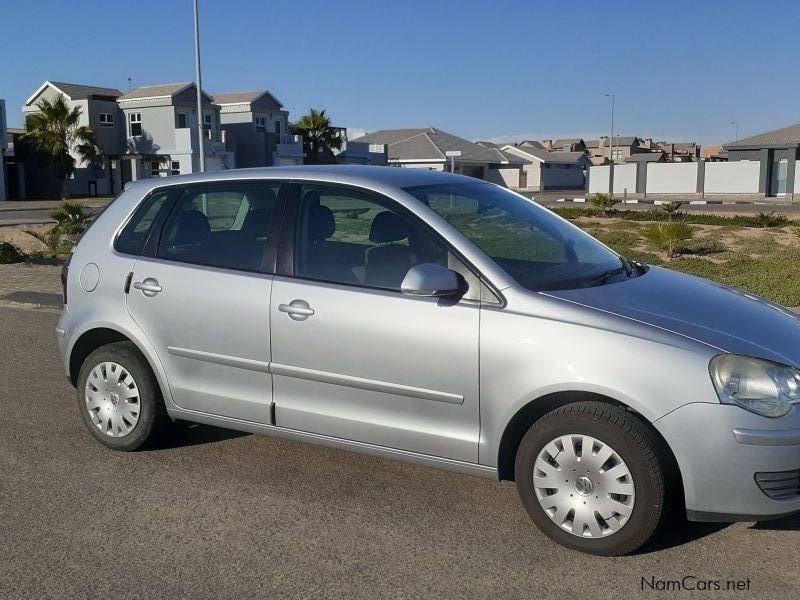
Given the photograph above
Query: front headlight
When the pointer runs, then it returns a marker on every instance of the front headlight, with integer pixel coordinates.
(763, 387)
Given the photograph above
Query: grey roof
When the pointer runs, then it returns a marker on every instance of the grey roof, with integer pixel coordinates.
(567, 142)
(432, 144)
(532, 143)
(786, 136)
(625, 141)
(78, 91)
(647, 157)
(552, 157)
(592, 143)
(149, 91)
(243, 97)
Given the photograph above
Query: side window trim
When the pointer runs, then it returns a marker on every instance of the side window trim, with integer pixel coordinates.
(288, 238)
(157, 222)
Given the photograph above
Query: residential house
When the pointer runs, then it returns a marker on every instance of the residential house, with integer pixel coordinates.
(256, 127)
(541, 170)
(161, 130)
(777, 151)
(428, 147)
(648, 157)
(14, 167)
(680, 152)
(565, 145)
(99, 110)
(601, 152)
(714, 154)
(530, 144)
(3, 147)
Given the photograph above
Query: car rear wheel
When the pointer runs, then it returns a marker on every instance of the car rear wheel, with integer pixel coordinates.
(589, 476)
(119, 398)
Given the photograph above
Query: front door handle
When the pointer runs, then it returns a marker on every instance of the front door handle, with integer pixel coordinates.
(298, 310)
(149, 287)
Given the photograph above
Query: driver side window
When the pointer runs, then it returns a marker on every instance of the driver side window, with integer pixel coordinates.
(351, 237)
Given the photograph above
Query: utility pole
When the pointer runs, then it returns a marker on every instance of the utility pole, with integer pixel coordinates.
(611, 148)
(200, 133)
(736, 124)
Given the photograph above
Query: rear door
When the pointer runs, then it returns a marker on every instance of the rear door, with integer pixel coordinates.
(353, 357)
(201, 295)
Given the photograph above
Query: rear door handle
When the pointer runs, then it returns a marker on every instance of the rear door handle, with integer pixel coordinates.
(298, 310)
(149, 287)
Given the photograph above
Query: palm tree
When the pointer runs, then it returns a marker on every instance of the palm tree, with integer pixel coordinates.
(55, 133)
(319, 136)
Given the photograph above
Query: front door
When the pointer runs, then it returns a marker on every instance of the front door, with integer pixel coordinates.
(203, 299)
(354, 358)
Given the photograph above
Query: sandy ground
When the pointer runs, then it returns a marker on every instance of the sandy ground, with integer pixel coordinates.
(16, 235)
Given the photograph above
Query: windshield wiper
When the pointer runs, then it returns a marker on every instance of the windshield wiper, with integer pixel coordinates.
(603, 277)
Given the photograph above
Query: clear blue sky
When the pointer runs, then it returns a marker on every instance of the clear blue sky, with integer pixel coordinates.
(479, 69)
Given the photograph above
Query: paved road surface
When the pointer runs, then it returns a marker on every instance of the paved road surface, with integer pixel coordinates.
(215, 514)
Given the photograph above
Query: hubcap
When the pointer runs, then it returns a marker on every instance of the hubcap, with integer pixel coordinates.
(112, 399)
(584, 486)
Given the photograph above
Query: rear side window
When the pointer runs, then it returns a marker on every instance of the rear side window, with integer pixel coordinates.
(220, 226)
(134, 236)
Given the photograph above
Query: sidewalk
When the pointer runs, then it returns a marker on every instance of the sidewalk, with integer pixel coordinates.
(30, 284)
(13, 205)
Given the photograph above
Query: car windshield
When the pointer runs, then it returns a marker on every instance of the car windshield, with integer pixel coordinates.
(537, 248)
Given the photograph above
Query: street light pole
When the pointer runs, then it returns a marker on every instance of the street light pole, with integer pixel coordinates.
(611, 148)
(200, 133)
(736, 123)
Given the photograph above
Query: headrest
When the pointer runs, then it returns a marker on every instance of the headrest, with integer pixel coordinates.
(322, 224)
(387, 227)
(261, 198)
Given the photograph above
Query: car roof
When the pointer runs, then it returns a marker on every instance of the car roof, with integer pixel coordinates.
(368, 176)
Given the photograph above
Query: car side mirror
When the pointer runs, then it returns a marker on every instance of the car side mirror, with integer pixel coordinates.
(430, 279)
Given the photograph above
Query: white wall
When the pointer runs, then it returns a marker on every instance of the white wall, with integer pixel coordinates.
(672, 178)
(508, 177)
(797, 177)
(737, 177)
(624, 178)
(598, 180)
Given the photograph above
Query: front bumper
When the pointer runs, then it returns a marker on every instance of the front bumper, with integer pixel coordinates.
(720, 449)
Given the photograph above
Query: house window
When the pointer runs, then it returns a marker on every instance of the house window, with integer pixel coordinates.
(135, 121)
(106, 119)
(261, 124)
(278, 130)
(207, 123)
(182, 121)
(616, 156)
(176, 167)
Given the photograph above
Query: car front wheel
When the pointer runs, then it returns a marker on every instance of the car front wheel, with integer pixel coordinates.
(119, 398)
(590, 478)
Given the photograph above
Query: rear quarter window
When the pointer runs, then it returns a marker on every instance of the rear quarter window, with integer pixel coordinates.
(133, 236)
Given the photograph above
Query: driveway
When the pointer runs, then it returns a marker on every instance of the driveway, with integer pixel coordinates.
(216, 514)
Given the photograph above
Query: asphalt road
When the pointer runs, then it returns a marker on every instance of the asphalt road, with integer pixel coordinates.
(32, 216)
(215, 514)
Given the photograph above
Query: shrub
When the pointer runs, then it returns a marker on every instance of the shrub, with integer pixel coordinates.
(52, 239)
(770, 219)
(604, 202)
(9, 253)
(796, 230)
(701, 247)
(667, 235)
(71, 218)
(672, 210)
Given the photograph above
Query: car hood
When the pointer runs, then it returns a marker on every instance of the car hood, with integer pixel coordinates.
(725, 318)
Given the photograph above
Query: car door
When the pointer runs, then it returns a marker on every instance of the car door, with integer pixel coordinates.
(353, 357)
(201, 295)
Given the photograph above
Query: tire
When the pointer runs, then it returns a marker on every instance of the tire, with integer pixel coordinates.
(119, 398)
(623, 458)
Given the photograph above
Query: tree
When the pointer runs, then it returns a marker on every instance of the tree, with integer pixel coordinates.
(319, 136)
(55, 133)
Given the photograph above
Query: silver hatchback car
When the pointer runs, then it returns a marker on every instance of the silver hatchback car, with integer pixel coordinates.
(441, 320)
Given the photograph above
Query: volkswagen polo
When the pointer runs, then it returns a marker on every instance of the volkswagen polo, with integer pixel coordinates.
(441, 320)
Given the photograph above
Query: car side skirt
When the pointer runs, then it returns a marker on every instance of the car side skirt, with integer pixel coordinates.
(425, 460)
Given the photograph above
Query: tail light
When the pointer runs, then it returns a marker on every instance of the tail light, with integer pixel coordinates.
(64, 274)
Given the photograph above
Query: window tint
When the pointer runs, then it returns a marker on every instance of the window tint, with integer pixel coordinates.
(134, 236)
(345, 236)
(220, 226)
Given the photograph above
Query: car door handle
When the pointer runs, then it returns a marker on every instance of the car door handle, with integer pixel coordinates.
(149, 287)
(299, 310)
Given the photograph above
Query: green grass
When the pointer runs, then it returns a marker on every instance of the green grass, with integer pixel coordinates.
(759, 220)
